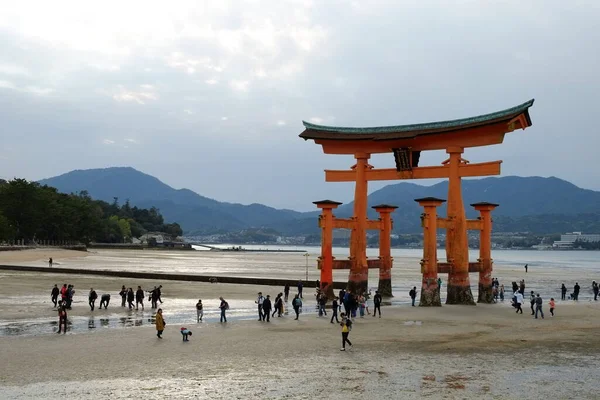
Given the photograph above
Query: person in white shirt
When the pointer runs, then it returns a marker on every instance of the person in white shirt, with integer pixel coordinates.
(518, 302)
(259, 301)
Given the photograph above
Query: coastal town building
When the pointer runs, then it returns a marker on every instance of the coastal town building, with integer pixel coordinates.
(567, 241)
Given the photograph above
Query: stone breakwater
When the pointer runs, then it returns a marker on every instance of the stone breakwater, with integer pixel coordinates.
(169, 277)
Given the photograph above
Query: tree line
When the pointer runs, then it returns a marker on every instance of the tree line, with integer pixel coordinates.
(33, 213)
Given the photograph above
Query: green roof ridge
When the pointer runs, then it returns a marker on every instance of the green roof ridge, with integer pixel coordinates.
(424, 126)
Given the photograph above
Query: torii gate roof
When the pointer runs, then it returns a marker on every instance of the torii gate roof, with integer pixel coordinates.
(506, 120)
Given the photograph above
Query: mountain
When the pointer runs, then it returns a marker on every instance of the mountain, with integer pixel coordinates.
(193, 211)
(526, 204)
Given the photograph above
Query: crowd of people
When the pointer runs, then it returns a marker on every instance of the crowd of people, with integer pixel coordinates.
(353, 304)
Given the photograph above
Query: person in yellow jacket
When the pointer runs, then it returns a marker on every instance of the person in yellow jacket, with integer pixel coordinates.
(160, 323)
(346, 328)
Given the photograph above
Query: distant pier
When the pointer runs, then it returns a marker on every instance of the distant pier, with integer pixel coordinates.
(170, 277)
(240, 249)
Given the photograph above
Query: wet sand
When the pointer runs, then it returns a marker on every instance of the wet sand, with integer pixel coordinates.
(485, 351)
(453, 352)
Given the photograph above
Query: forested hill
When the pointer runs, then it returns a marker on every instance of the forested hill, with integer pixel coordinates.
(33, 212)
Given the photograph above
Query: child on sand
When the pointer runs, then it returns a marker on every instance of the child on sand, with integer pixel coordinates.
(185, 332)
(552, 305)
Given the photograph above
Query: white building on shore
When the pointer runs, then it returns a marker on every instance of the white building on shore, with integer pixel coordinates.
(567, 241)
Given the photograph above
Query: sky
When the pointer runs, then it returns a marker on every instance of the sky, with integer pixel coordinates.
(210, 95)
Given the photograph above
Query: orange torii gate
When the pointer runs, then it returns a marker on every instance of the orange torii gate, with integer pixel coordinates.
(407, 142)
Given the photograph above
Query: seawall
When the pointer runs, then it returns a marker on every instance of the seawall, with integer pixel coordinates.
(169, 277)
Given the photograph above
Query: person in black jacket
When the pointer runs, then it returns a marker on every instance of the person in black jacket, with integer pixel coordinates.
(54, 295)
(334, 309)
(104, 300)
(563, 292)
(576, 289)
(123, 294)
(130, 298)
(413, 295)
(139, 298)
(278, 306)
(266, 307)
(92, 298)
(377, 303)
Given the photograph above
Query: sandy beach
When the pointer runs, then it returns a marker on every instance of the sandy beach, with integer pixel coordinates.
(485, 351)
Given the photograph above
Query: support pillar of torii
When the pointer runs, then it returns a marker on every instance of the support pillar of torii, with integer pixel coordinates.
(326, 262)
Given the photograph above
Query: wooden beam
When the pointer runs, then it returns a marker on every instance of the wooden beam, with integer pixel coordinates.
(391, 174)
(474, 225)
(348, 223)
(445, 268)
(372, 263)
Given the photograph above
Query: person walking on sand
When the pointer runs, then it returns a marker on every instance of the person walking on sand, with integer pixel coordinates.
(62, 317)
(413, 295)
(54, 295)
(334, 310)
(50, 262)
(92, 298)
(300, 289)
(439, 282)
(362, 304)
(563, 292)
(70, 294)
(522, 287)
(576, 289)
(159, 293)
(297, 303)
(346, 328)
(377, 304)
(532, 301)
(595, 290)
(199, 311)
(518, 301)
(286, 292)
(139, 298)
(367, 296)
(123, 294)
(322, 300)
(552, 306)
(278, 305)
(538, 306)
(63, 293)
(260, 301)
(266, 306)
(525, 268)
(154, 297)
(160, 323)
(130, 298)
(224, 306)
(501, 292)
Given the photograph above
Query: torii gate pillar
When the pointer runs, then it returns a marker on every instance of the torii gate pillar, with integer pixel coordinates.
(359, 269)
(486, 294)
(326, 259)
(457, 247)
(385, 256)
(430, 290)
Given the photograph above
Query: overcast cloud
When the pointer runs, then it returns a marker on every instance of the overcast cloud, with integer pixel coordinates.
(210, 95)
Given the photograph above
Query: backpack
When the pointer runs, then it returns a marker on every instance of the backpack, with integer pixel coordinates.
(538, 301)
(349, 324)
(226, 305)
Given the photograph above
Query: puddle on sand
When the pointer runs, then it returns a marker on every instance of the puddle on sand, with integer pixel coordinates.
(174, 314)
